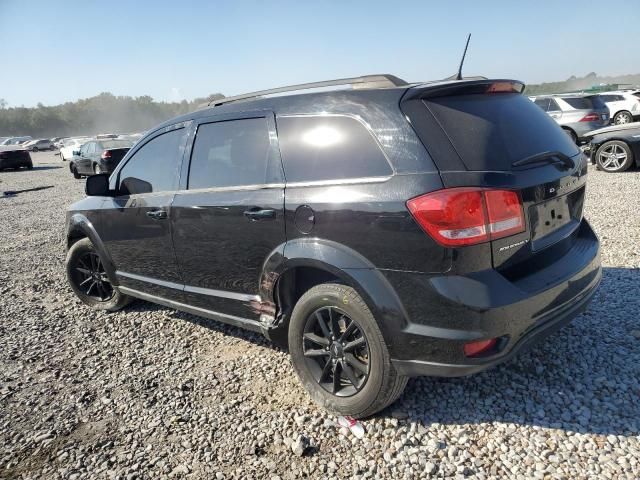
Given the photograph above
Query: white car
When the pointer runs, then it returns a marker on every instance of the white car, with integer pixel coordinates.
(69, 145)
(624, 106)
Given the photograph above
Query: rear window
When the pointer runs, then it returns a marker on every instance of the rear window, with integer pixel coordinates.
(490, 132)
(316, 148)
(115, 144)
(586, 103)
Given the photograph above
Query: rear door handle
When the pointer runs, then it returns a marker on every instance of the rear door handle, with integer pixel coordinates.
(260, 214)
(157, 214)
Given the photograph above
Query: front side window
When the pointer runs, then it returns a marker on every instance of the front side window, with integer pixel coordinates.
(316, 148)
(230, 153)
(154, 167)
(543, 103)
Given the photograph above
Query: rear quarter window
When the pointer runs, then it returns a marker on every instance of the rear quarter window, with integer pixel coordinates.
(316, 148)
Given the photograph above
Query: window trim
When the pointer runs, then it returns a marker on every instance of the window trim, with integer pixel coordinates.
(114, 179)
(268, 115)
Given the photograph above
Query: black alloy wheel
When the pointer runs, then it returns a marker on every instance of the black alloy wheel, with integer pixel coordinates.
(90, 277)
(336, 351)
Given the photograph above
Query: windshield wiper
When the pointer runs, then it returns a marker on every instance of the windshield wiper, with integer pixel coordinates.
(546, 157)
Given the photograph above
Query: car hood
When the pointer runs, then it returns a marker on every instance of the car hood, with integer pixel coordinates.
(614, 128)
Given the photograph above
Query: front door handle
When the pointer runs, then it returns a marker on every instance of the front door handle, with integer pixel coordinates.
(260, 214)
(157, 214)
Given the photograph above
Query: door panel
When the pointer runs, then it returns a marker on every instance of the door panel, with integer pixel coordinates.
(223, 232)
(140, 245)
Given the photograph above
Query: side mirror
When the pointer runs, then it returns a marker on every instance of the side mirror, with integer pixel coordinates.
(97, 185)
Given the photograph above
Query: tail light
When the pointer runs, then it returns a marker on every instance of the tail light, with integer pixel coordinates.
(457, 217)
(106, 154)
(590, 117)
(476, 349)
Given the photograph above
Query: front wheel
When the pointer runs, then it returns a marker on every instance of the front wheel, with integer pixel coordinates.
(35, 149)
(74, 170)
(339, 354)
(614, 156)
(88, 279)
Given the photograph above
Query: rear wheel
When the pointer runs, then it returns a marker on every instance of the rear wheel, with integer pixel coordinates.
(339, 354)
(74, 170)
(35, 149)
(614, 156)
(30, 166)
(622, 117)
(88, 279)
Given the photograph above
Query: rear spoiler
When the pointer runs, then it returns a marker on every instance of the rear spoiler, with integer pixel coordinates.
(467, 86)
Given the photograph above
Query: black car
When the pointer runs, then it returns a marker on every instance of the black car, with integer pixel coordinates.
(381, 232)
(98, 156)
(616, 148)
(15, 156)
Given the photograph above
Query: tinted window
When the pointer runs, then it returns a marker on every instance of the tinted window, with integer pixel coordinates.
(490, 132)
(328, 148)
(154, 167)
(231, 153)
(543, 103)
(580, 103)
(553, 105)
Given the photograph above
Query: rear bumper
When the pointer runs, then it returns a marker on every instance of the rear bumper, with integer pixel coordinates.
(446, 312)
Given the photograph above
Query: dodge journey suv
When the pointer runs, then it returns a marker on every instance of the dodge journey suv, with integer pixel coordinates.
(381, 231)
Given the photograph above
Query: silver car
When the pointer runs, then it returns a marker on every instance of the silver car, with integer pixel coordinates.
(576, 114)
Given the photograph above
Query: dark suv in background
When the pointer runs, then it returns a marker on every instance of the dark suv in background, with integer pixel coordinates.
(381, 232)
(98, 156)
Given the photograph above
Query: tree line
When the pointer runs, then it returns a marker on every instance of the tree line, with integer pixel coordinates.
(104, 113)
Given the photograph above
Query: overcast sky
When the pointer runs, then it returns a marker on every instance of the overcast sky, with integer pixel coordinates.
(57, 51)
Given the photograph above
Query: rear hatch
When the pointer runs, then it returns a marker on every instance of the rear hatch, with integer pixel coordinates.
(486, 134)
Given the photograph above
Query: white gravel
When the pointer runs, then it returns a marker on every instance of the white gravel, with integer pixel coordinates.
(153, 393)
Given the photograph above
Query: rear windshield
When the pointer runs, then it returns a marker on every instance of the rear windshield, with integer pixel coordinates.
(490, 132)
(106, 144)
(586, 103)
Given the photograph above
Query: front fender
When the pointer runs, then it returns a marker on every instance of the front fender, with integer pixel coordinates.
(346, 264)
(80, 226)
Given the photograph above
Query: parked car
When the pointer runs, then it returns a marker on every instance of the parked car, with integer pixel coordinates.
(576, 114)
(16, 140)
(615, 148)
(381, 232)
(623, 105)
(70, 145)
(15, 156)
(105, 136)
(57, 141)
(38, 145)
(98, 156)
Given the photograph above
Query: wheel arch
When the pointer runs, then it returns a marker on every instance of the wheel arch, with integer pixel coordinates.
(304, 263)
(81, 227)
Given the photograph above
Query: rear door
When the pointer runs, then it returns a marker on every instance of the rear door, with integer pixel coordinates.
(492, 140)
(228, 216)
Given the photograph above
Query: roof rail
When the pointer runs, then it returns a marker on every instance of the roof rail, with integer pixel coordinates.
(366, 81)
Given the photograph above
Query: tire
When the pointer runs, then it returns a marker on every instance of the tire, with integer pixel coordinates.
(622, 118)
(572, 135)
(74, 170)
(97, 292)
(62, 156)
(380, 384)
(605, 156)
(30, 166)
(35, 149)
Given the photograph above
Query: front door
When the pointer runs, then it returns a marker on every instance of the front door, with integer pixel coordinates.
(136, 224)
(229, 217)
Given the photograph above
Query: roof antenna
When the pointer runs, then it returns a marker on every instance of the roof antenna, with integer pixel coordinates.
(464, 54)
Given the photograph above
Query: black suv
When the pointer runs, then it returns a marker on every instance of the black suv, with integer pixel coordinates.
(383, 231)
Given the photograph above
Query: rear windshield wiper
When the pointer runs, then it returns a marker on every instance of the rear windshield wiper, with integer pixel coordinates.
(546, 157)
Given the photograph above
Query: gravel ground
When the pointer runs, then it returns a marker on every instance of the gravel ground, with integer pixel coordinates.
(153, 393)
